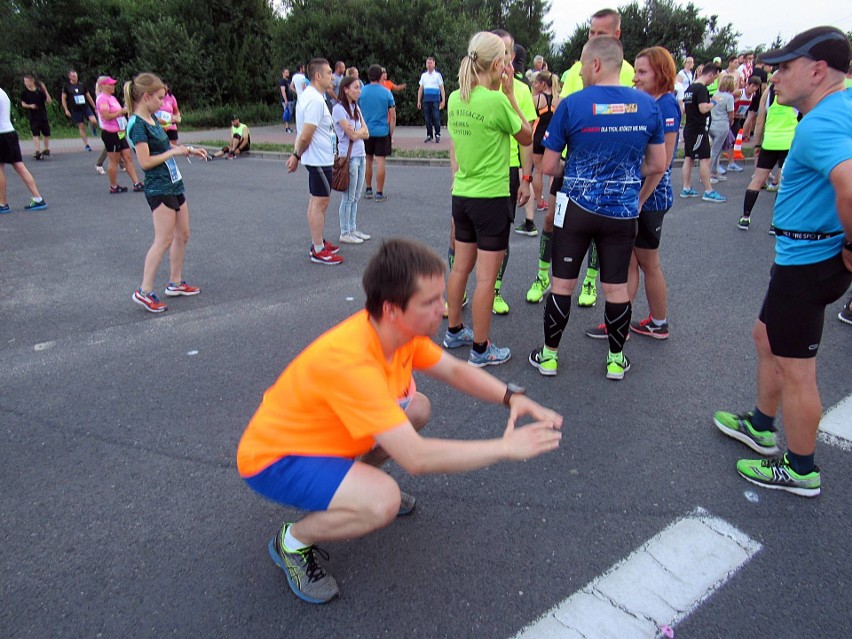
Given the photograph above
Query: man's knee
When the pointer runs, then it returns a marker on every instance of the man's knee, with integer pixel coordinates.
(419, 411)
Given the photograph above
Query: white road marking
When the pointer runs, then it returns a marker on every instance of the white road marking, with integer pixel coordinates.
(658, 585)
(836, 425)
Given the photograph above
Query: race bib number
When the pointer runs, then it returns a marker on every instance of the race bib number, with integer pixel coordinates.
(164, 117)
(122, 123)
(79, 99)
(561, 207)
(174, 172)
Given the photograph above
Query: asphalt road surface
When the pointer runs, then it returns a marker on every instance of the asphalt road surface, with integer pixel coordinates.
(122, 511)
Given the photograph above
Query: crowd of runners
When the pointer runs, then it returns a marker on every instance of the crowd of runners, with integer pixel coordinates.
(606, 136)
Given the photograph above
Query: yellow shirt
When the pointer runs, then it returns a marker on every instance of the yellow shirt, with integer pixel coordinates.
(573, 81)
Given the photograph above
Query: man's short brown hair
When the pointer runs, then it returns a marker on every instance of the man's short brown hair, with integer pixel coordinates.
(392, 273)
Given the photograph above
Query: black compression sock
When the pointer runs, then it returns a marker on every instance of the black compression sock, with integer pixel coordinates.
(557, 310)
(617, 321)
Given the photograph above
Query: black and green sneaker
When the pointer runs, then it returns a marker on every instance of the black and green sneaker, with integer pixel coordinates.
(776, 473)
(739, 427)
(307, 579)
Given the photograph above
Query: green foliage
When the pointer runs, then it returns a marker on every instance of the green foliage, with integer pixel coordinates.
(219, 117)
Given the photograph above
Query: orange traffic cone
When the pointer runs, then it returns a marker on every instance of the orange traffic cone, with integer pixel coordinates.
(738, 147)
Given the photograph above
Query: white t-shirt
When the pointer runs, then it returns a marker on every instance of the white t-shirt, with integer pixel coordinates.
(685, 77)
(431, 83)
(311, 109)
(5, 112)
(299, 82)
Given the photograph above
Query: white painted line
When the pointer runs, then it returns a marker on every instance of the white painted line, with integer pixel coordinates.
(658, 585)
(836, 425)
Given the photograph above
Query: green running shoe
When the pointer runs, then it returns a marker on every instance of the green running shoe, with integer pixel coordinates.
(739, 427)
(538, 289)
(616, 366)
(500, 307)
(777, 474)
(546, 364)
(588, 295)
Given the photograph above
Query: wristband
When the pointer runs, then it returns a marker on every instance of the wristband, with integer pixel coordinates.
(847, 246)
(297, 154)
(527, 178)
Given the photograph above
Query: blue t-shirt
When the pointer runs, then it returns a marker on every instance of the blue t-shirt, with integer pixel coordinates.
(374, 102)
(606, 130)
(806, 201)
(662, 198)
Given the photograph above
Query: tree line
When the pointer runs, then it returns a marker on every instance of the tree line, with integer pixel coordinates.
(231, 52)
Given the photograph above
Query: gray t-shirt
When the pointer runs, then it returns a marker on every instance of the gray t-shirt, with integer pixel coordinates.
(719, 113)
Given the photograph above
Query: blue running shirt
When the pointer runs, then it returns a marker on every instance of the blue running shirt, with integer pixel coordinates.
(806, 200)
(662, 198)
(606, 130)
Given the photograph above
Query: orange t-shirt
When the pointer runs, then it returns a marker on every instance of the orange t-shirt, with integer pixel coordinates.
(334, 397)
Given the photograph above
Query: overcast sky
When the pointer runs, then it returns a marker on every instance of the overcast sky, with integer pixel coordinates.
(759, 21)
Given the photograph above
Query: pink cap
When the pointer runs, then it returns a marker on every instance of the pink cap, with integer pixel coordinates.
(109, 81)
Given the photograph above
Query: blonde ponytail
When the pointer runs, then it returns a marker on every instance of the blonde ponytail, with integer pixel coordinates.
(136, 88)
(482, 50)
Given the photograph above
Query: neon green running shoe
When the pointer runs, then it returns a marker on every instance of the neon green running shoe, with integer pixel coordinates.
(588, 295)
(547, 365)
(616, 366)
(777, 474)
(538, 289)
(739, 427)
(500, 307)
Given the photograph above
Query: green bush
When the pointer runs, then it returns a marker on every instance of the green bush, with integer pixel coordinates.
(218, 117)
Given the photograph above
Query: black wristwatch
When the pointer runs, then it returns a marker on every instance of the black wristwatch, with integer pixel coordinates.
(297, 154)
(513, 389)
(847, 246)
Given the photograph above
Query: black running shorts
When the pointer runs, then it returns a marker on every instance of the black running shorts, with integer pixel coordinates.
(650, 229)
(173, 202)
(379, 147)
(696, 144)
(10, 148)
(794, 307)
(768, 159)
(113, 143)
(319, 180)
(41, 126)
(486, 222)
(614, 237)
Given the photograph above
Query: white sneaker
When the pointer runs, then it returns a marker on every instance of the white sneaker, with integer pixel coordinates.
(350, 239)
(100, 170)
(360, 235)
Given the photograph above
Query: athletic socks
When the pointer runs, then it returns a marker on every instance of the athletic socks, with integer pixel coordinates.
(658, 322)
(290, 542)
(455, 329)
(594, 262)
(545, 250)
(557, 309)
(748, 202)
(451, 257)
(502, 270)
(761, 421)
(802, 464)
(617, 321)
(479, 347)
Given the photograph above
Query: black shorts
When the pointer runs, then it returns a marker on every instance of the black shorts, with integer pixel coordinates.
(650, 229)
(172, 135)
(696, 144)
(538, 140)
(768, 159)
(79, 116)
(10, 148)
(380, 147)
(794, 307)
(614, 238)
(114, 143)
(40, 127)
(556, 184)
(319, 180)
(171, 201)
(484, 221)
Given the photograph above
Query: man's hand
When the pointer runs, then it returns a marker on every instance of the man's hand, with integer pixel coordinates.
(523, 406)
(531, 440)
(292, 163)
(523, 193)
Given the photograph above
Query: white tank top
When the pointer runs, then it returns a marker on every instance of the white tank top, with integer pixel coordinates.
(5, 109)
